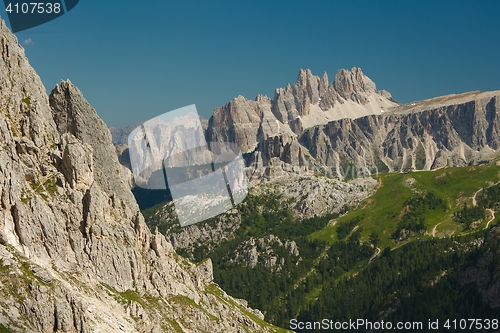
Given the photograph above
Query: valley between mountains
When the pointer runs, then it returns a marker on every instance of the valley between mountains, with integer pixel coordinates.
(308, 266)
(359, 207)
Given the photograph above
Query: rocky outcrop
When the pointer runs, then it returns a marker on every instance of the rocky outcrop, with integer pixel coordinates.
(310, 196)
(215, 231)
(454, 131)
(75, 253)
(354, 86)
(73, 114)
(262, 251)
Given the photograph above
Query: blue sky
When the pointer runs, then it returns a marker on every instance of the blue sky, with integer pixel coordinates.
(134, 60)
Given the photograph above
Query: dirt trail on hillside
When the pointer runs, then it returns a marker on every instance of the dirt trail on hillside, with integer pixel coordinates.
(433, 233)
(492, 212)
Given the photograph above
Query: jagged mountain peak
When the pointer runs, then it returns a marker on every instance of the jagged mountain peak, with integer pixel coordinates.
(323, 84)
(346, 82)
(349, 119)
(353, 85)
(73, 114)
(304, 76)
(310, 101)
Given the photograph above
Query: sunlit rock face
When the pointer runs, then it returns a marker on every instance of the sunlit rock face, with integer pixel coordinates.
(75, 253)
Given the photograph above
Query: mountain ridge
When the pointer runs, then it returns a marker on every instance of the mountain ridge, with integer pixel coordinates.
(309, 102)
(348, 127)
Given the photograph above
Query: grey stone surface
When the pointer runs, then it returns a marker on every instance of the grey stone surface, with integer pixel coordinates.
(75, 252)
(348, 128)
(457, 131)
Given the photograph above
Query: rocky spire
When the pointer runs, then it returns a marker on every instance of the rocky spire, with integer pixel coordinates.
(323, 84)
(306, 91)
(353, 85)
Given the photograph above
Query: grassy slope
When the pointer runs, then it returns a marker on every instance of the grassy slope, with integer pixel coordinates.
(382, 210)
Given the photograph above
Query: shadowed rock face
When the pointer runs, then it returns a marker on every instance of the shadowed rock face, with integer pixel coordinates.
(75, 253)
(353, 85)
(268, 130)
(310, 101)
(74, 115)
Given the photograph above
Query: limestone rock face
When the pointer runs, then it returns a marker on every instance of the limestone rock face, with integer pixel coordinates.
(454, 131)
(240, 121)
(352, 129)
(77, 162)
(268, 129)
(262, 250)
(75, 252)
(310, 101)
(353, 85)
(348, 128)
(73, 114)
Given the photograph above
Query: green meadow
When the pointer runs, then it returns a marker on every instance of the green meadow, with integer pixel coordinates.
(381, 212)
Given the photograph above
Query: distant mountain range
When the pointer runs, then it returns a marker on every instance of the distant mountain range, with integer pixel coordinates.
(348, 127)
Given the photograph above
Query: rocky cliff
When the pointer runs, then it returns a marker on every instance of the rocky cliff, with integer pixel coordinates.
(485, 272)
(348, 128)
(268, 129)
(454, 130)
(75, 253)
(309, 102)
